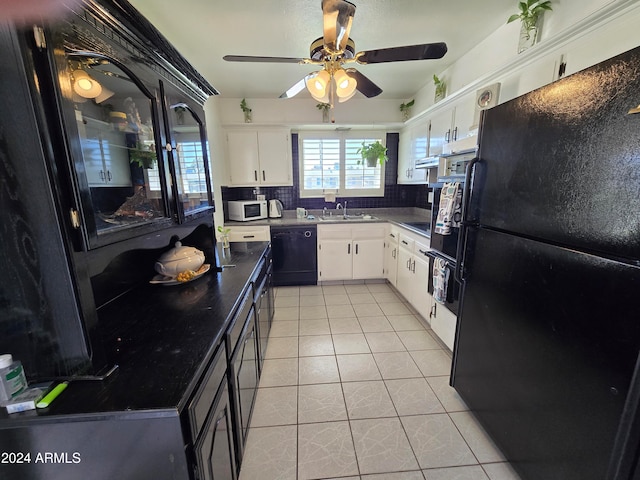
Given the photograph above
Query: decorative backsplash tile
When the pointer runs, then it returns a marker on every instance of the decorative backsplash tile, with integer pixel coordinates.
(394, 195)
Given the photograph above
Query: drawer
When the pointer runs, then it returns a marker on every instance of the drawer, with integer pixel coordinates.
(202, 400)
(420, 248)
(406, 241)
(237, 324)
(393, 237)
(257, 233)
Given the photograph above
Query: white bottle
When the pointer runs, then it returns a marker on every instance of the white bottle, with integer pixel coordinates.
(12, 379)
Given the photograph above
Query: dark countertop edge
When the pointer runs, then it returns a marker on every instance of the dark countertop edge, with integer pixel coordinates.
(84, 392)
(31, 417)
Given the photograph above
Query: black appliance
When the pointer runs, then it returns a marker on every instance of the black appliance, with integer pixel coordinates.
(444, 247)
(548, 334)
(295, 255)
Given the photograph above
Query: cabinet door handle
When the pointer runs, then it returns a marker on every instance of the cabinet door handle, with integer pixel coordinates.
(393, 253)
(455, 133)
(255, 175)
(409, 264)
(349, 248)
(447, 136)
(413, 267)
(356, 248)
(109, 177)
(264, 178)
(432, 312)
(102, 177)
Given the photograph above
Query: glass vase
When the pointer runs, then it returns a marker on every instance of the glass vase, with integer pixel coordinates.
(528, 35)
(224, 238)
(247, 116)
(325, 115)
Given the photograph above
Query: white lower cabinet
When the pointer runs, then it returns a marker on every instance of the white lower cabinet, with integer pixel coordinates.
(351, 252)
(413, 273)
(443, 323)
(391, 255)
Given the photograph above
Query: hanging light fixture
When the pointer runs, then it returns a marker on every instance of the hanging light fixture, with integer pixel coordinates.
(345, 85)
(323, 84)
(319, 86)
(84, 85)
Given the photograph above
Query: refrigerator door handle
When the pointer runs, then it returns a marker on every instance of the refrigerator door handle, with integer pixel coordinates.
(464, 224)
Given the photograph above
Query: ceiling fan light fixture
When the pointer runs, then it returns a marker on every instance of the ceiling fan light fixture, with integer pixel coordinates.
(318, 85)
(345, 84)
(85, 86)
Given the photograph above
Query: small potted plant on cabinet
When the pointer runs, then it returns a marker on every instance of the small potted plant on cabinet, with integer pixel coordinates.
(441, 88)
(246, 111)
(529, 16)
(324, 107)
(405, 108)
(373, 153)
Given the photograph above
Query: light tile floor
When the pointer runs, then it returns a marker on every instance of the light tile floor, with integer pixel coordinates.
(355, 387)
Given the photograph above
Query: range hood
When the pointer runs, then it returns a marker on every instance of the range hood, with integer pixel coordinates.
(428, 162)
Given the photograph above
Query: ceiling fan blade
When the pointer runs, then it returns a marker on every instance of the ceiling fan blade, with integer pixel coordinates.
(250, 58)
(297, 88)
(364, 86)
(337, 20)
(427, 51)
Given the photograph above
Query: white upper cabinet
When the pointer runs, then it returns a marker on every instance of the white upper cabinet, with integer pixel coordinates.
(259, 157)
(463, 117)
(413, 146)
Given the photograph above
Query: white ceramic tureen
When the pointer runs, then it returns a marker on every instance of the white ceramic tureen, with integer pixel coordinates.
(179, 259)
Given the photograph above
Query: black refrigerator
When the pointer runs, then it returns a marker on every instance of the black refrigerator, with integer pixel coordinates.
(548, 335)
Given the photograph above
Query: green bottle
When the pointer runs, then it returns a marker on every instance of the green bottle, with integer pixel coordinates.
(12, 379)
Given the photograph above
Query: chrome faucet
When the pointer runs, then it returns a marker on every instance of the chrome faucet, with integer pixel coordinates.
(344, 209)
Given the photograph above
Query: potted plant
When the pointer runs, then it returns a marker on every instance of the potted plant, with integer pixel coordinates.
(224, 236)
(373, 153)
(143, 155)
(529, 15)
(246, 110)
(324, 107)
(405, 108)
(441, 88)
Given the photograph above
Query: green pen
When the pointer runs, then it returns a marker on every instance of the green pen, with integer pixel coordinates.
(52, 395)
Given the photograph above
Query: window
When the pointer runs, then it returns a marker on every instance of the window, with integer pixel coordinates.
(330, 162)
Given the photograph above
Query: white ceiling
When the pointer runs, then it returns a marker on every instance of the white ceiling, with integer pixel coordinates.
(204, 31)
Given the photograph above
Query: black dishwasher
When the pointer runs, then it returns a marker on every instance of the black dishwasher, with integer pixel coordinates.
(295, 257)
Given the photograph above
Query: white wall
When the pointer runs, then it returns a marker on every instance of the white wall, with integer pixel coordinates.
(216, 153)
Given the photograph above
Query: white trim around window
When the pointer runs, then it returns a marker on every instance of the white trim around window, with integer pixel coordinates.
(329, 164)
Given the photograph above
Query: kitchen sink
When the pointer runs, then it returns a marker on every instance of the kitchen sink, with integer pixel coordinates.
(360, 217)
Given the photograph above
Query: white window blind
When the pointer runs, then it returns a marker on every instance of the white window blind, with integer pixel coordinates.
(330, 162)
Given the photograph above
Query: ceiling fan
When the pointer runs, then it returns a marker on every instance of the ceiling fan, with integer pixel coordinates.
(334, 50)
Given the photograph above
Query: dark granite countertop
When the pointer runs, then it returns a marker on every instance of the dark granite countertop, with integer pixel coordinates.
(168, 335)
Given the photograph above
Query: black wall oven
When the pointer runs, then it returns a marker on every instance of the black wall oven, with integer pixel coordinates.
(445, 247)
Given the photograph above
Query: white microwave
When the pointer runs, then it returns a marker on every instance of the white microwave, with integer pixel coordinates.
(245, 210)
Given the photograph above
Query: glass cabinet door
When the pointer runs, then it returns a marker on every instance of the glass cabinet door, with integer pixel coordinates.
(115, 114)
(189, 154)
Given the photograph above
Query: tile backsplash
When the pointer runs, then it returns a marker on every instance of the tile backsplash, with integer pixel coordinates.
(394, 195)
